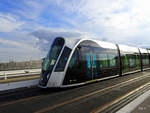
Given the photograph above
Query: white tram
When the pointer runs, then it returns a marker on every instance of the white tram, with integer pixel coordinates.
(72, 62)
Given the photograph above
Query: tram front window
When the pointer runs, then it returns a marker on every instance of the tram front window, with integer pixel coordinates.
(50, 60)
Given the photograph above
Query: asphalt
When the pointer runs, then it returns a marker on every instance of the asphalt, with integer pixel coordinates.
(82, 99)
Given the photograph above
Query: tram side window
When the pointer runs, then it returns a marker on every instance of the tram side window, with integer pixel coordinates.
(145, 59)
(73, 72)
(103, 60)
(137, 62)
(63, 59)
(74, 60)
(132, 60)
(125, 62)
(112, 60)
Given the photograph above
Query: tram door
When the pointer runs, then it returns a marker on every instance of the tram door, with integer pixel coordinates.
(88, 67)
(91, 65)
(94, 65)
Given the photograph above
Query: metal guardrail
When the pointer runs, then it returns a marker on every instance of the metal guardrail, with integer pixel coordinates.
(7, 74)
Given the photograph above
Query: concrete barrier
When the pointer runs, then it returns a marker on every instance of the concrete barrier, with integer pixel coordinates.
(20, 84)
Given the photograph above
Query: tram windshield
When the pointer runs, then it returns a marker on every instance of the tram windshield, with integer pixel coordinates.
(51, 58)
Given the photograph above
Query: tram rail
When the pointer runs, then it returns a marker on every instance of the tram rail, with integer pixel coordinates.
(105, 90)
(66, 101)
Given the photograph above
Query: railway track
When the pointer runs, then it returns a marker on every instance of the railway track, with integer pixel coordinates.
(102, 92)
(115, 105)
(105, 96)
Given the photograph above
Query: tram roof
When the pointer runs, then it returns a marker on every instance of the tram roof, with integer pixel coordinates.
(126, 48)
(71, 42)
(143, 50)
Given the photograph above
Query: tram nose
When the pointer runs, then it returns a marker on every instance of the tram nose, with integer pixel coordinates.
(43, 78)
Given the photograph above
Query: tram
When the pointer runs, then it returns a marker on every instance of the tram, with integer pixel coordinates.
(72, 62)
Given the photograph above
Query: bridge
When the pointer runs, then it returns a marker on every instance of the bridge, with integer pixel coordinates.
(121, 94)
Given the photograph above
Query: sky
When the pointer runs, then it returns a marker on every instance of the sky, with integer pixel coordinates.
(27, 27)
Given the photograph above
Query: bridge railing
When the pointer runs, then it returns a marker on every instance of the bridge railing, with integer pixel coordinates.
(19, 73)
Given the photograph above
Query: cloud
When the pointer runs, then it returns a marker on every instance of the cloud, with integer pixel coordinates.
(35, 45)
(119, 21)
(8, 42)
(23, 45)
(125, 17)
(46, 36)
(19, 54)
(9, 23)
(22, 49)
(30, 9)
